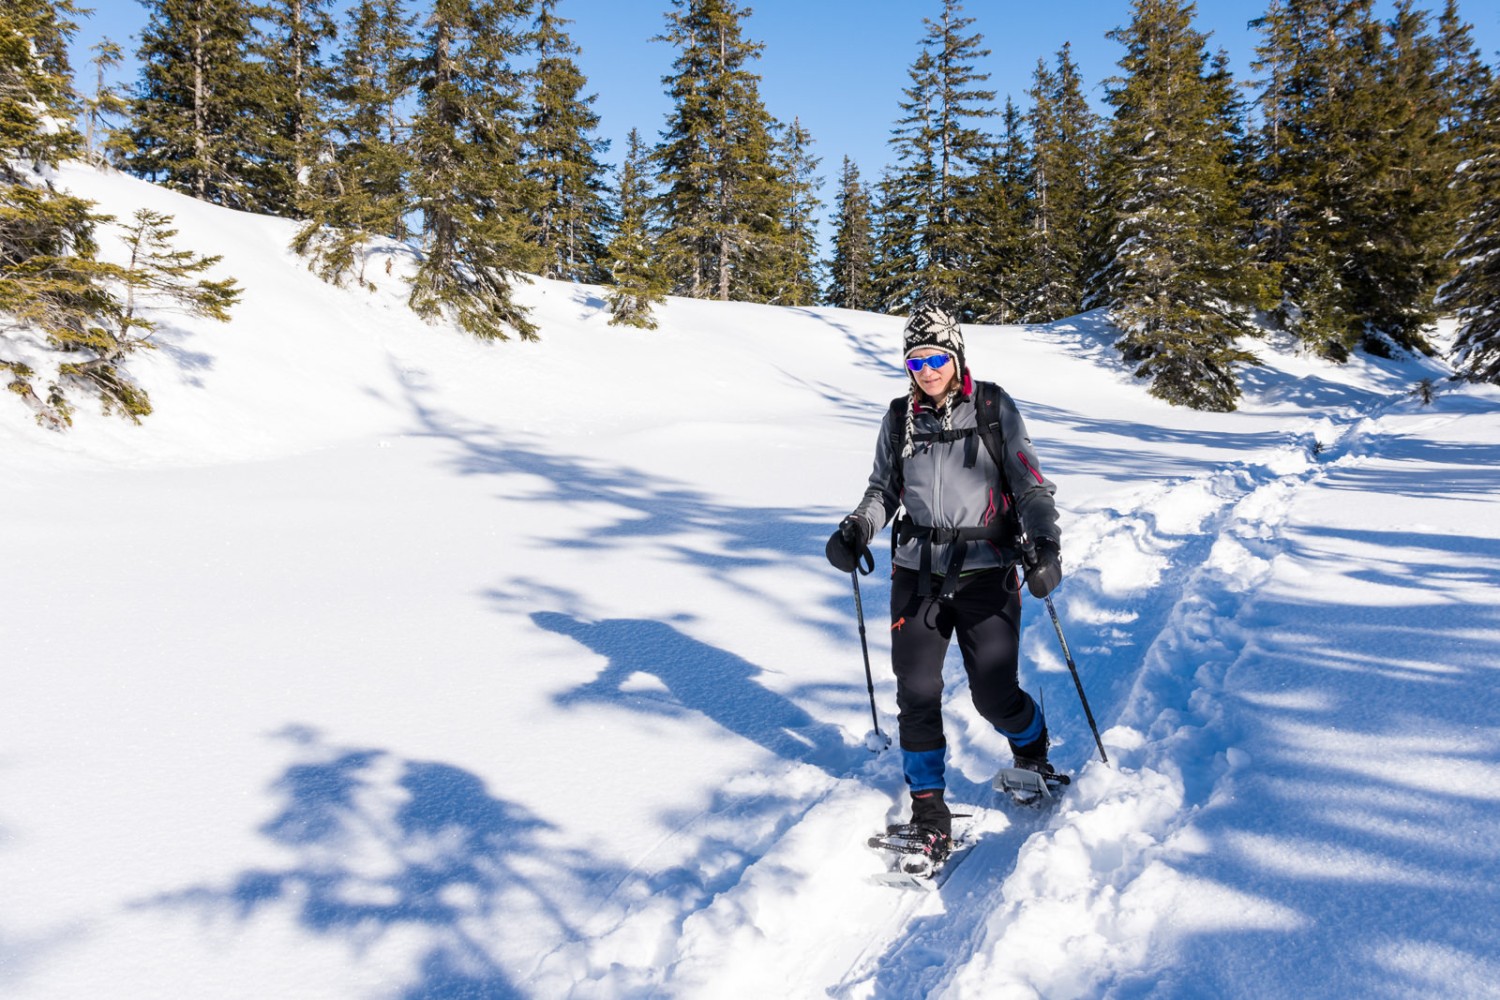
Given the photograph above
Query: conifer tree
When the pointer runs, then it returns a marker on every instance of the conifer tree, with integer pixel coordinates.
(791, 265)
(201, 115)
(292, 44)
(1352, 173)
(1175, 282)
(1474, 293)
(850, 272)
(716, 174)
(468, 180)
(939, 149)
(639, 281)
(355, 189)
(1003, 268)
(573, 219)
(1396, 217)
(157, 272)
(898, 268)
(51, 282)
(1063, 174)
(105, 105)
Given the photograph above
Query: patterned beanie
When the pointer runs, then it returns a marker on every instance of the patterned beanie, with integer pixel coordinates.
(932, 326)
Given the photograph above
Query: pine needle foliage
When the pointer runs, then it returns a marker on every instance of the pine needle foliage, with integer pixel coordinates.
(1175, 280)
(1474, 292)
(638, 280)
(468, 181)
(851, 270)
(573, 219)
(355, 191)
(718, 183)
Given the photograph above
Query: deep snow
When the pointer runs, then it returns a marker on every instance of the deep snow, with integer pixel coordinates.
(379, 662)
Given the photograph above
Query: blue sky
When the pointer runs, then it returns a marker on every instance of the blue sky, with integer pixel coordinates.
(840, 65)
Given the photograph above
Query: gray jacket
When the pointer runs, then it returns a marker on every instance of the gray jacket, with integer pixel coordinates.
(939, 489)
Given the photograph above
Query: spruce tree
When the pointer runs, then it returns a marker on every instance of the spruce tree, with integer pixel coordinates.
(355, 190)
(718, 182)
(850, 272)
(939, 149)
(896, 277)
(1474, 292)
(1063, 174)
(573, 220)
(468, 180)
(159, 273)
(104, 106)
(1003, 268)
(1396, 219)
(1175, 281)
(791, 266)
(638, 279)
(292, 45)
(1352, 174)
(52, 285)
(202, 115)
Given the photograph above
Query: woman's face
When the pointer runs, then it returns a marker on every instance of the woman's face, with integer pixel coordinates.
(933, 381)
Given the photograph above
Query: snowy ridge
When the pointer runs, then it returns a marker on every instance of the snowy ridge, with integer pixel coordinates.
(382, 663)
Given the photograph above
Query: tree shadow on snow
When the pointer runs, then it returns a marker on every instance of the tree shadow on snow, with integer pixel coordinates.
(1374, 741)
(698, 678)
(387, 847)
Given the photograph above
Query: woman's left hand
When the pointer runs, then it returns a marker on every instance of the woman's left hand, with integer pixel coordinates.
(1045, 571)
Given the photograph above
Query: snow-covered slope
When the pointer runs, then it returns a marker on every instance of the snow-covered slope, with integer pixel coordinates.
(379, 662)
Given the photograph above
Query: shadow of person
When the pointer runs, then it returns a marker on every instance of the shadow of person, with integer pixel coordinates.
(698, 678)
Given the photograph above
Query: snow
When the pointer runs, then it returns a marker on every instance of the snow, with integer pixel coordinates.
(379, 662)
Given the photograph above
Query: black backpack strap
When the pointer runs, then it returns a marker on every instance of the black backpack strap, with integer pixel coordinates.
(987, 396)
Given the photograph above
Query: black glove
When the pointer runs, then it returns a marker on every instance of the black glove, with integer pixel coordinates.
(847, 544)
(1044, 568)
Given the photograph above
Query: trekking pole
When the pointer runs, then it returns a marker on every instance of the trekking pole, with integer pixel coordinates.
(1073, 669)
(881, 739)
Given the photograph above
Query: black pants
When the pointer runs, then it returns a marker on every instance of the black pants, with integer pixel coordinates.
(986, 613)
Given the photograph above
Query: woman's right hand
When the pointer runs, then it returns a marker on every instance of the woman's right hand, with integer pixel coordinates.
(847, 543)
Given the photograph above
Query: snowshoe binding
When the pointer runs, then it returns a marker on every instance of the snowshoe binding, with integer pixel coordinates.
(922, 853)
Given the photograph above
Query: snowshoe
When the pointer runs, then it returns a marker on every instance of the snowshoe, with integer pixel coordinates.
(923, 856)
(1031, 782)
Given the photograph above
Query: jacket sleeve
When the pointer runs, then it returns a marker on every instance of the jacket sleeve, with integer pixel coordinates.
(1033, 490)
(883, 496)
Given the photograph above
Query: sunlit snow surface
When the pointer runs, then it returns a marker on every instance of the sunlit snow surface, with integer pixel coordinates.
(379, 662)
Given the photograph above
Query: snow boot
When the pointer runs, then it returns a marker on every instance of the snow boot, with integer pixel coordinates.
(928, 810)
(1033, 756)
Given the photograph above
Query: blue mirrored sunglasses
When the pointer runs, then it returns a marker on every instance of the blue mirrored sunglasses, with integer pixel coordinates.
(933, 361)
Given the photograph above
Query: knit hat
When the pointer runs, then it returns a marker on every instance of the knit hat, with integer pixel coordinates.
(931, 326)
